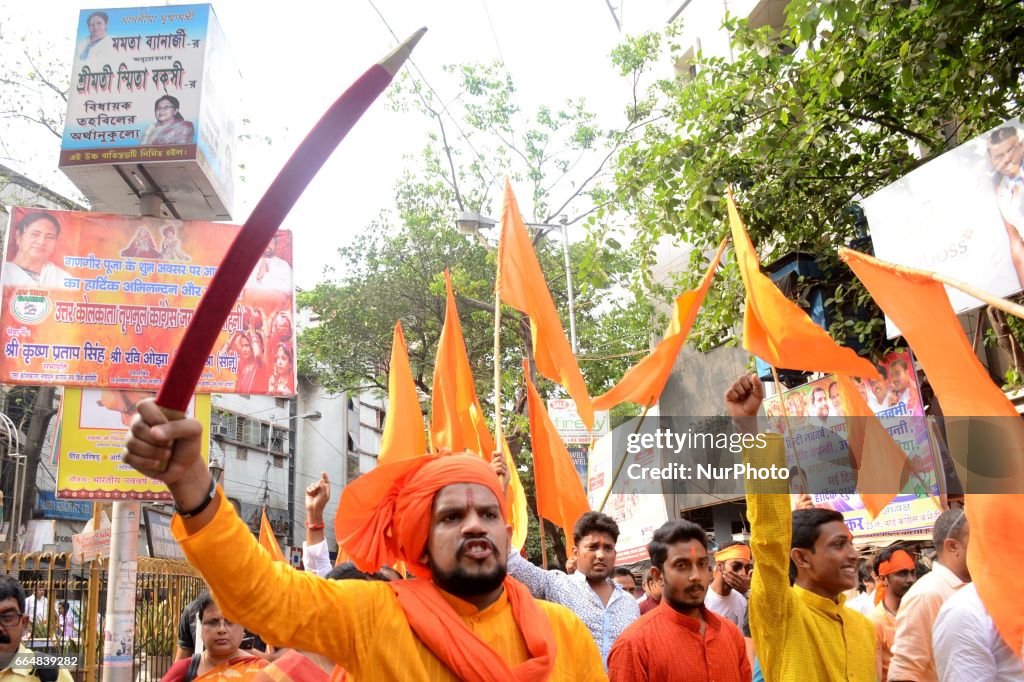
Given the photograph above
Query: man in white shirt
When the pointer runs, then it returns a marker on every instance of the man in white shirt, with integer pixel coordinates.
(913, 659)
(733, 568)
(1006, 153)
(601, 603)
(316, 556)
(271, 272)
(967, 645)
(35, 237)
(37, 609)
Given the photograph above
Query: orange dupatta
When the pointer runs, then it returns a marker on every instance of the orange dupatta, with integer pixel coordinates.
(469, 658)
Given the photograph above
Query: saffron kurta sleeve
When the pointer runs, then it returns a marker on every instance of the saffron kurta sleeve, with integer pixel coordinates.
(799, 635)
(357, 624)
(771, 527)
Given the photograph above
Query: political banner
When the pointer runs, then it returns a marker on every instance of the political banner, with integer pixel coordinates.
(103, 301)
(814, 428)
(961, 214)
(92, 430)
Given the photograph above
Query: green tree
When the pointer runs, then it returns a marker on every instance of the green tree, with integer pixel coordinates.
(847, 97)
(394, 271)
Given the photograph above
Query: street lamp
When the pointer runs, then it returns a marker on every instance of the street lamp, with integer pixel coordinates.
(470, 223)
(316, 415)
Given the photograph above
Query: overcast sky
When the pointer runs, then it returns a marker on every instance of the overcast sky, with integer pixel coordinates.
(296, 57)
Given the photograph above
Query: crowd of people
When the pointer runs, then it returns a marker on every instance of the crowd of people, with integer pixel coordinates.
(799, 602)
(790, 605)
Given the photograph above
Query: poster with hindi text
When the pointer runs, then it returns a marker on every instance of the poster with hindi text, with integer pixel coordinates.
(814, 427)
(103, 301)
(93, 426)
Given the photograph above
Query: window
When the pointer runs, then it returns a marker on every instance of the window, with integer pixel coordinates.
(255, 433)
(278, 461)
(278, 440)
(242, 454)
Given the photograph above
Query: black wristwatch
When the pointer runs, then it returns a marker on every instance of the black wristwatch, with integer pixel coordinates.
(202, 505)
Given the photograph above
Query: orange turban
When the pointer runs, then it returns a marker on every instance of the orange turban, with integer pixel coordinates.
(384, 516)
(741, 552)
(897, 561)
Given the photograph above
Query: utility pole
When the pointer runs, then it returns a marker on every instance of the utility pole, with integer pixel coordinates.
(123, 569)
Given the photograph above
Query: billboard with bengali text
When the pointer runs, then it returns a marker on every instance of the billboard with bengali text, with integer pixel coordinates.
(101, 300)
(154, 87)
(92, 430)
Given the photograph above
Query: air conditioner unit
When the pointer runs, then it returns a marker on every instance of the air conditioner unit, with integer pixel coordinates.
(221, 430)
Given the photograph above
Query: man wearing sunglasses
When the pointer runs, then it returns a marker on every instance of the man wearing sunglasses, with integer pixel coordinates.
(728, 594)
(16, 660)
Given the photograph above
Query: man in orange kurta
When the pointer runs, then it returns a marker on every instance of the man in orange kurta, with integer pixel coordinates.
(443, 515)
(680, 638)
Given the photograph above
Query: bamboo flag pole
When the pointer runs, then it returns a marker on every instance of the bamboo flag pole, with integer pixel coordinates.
(785, 418)
(1006, 306)
(618, 469)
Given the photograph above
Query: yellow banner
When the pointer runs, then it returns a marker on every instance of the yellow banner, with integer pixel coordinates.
(91, 436)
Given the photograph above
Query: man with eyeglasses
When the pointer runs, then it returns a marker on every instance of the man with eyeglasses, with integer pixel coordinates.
(728, 594)
(16, 664)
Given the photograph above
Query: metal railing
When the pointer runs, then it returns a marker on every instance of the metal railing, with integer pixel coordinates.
(70, 620)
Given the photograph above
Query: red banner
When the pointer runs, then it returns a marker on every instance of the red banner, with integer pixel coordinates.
(103, 300)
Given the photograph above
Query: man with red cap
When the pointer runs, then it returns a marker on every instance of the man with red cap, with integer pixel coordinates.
(442, 515)
(897, 572)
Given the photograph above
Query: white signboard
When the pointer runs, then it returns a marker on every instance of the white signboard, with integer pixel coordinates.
(961, 214)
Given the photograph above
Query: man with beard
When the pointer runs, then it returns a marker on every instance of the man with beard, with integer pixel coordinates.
(803, 631)
(443, 515)
(681, 634)
(590, 592)
(16, 664)
(897, 571)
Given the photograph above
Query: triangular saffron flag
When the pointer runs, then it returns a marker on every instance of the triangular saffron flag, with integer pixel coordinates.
(560, 495)
(776, 330)
(880, 461)
(456, 418)
(643, 382)
(521, 284)
(403, 427)
(920, 307)
(267, 539)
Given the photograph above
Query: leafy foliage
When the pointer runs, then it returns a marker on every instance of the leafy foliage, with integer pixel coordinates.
(394, 270)
(845, 98)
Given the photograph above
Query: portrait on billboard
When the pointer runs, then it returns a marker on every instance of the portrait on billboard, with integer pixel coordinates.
(960, 215)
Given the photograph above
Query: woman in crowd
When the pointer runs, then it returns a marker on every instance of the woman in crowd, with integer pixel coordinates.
(222, 659)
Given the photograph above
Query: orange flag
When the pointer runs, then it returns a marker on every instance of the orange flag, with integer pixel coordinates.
(456, 419)
(560, 495)
(268, 541)
(881, 462)
(920, 307)
(403, 428)
(644, 381)
(521, 285)
(776, 330)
